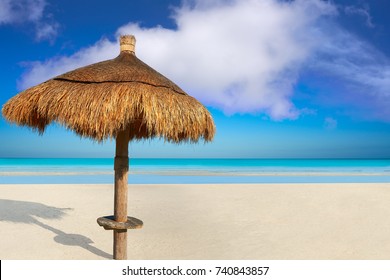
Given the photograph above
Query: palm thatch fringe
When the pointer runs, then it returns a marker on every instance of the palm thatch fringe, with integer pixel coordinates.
(100, 110)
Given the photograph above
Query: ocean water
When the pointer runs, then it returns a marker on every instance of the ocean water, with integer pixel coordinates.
(177, 171)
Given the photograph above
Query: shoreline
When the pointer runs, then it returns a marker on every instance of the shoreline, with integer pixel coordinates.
(170, 177)
(195, 173)
(207, 221)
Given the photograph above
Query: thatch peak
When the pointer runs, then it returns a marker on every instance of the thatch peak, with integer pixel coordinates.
(127, 43)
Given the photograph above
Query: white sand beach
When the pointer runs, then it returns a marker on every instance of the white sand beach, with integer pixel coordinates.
(221, 221)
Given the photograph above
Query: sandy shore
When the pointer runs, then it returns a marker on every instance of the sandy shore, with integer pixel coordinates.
(251, 221)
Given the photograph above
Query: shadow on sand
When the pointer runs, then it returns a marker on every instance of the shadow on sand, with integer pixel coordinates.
(27, 212)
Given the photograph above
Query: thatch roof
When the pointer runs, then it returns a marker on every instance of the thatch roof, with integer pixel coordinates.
(99, 100)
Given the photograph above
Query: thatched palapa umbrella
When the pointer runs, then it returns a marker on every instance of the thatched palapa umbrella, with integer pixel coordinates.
(122, 98)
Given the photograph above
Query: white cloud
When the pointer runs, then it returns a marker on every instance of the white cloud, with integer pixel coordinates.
(28, 11)
(40, 71)
(363, 69)
(330, 123)
(363, 12)
(46, 31)
(16, 11)
(242, 56)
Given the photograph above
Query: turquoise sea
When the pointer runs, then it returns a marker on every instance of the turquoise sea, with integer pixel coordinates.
(177, 171)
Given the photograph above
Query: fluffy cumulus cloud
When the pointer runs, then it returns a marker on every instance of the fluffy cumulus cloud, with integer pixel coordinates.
(240, 56)
(29, 11)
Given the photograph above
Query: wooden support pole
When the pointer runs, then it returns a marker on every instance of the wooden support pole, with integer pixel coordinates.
(121, 166)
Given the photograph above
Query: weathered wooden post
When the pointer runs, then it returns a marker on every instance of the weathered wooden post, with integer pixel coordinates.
(120, 222)
(121, 167)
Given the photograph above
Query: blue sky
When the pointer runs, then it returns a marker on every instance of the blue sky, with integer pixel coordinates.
(282, 79)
